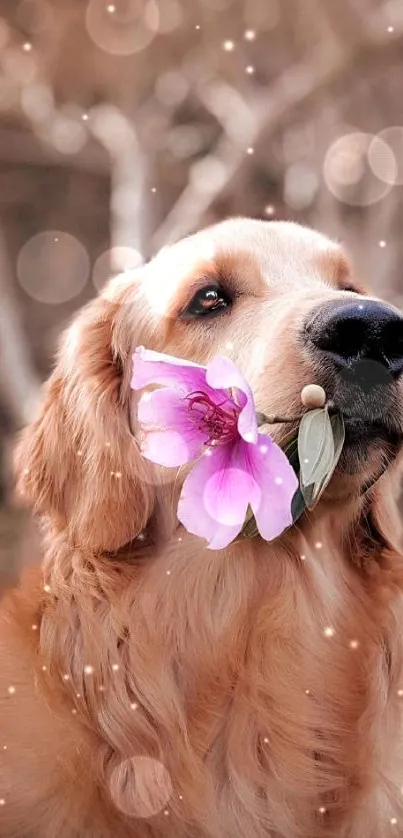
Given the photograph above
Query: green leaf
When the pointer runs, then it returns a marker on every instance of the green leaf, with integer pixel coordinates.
(315, 446)
(298, 505)
(339, 434)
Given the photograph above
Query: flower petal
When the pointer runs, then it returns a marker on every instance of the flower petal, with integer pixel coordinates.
(172, 438)
(278, 483)
(199, 502)
(222, 373)
(151, 367)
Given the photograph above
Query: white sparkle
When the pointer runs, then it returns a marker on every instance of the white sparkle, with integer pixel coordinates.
(27, 46)
(391, 28)
(134, 705)
(66, 677)
(153, 189)
(26, 470)
(250, 35)
(166, 812)
(115, 667)
(2, 801)
(101, 688)
(250, 150)
(269, 209)
(263, 449)
(107, 445)
(382, 243)
(34, 627)
(46, 588)
(322, 810)
(278, 481)
(328, 631)
(307, 692)
(78, 695)
(361, 307)
(4, 747)
(11, 690)
(74, 711)
(168, 572)
(400, 693)
(265, 740)
(79, 453)
(306, 460)
(303, 556)
(393, 821)
(229, 345)
(249, 70)
(118, 475)
(181, 797)
(228, 46)
(111, 8)
(88, 669)
(354, 644)
(208, 452)
(84, 117)
(44, 668)
(180, 538)
(318, 545)
(197, 26)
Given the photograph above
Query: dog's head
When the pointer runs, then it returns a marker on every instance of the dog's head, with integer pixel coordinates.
(281, 301)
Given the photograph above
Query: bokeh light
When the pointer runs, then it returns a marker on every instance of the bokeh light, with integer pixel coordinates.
(112, 128)
(301, 183)
(19, 64)
(53, 267)
(37, 102)
(393, 137)
(114, 261)
(207, 174)
(128, 30)
(347, 171)
(140, 786)
(64, 133)
(171, 88)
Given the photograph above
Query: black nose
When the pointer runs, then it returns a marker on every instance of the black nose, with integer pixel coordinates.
(362, 330)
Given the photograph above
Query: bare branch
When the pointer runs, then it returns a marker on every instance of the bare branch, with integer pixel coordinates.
(299, 87)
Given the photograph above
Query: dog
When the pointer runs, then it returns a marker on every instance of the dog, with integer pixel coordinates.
(153, 688)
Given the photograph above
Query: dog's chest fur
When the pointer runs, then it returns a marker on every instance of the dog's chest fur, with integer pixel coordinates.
(269, 687)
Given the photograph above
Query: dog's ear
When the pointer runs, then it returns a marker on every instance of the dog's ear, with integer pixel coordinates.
(387, 506)
(78, 463)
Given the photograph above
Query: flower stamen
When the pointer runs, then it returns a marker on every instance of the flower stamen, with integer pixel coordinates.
(219, 423)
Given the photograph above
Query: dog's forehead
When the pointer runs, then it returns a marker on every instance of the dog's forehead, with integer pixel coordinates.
(274, 251)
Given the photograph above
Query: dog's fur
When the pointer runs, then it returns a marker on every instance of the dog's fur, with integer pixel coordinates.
(246, 693)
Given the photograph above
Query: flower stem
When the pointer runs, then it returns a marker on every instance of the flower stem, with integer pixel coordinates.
(273, 419)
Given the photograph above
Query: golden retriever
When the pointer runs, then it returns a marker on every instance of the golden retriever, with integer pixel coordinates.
(153, 688)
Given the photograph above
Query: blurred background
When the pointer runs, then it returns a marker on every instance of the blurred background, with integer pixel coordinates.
(127, 124)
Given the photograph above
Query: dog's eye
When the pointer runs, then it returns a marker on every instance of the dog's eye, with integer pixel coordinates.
(208, 300)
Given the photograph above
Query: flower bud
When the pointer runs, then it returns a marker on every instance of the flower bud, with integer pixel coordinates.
(313, 396)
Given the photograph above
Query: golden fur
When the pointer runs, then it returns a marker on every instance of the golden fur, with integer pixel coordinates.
(265, 681)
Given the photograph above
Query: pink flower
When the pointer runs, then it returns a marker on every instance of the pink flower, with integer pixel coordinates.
(210, 411)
